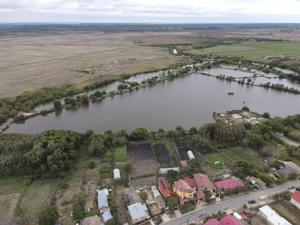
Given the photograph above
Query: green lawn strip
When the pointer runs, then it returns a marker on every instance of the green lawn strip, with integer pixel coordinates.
(9, 185)
(215, 162)
(120, 154)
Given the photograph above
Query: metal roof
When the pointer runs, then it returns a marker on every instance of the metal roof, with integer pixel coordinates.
(272, 216)
(102, 198)
(138, 212)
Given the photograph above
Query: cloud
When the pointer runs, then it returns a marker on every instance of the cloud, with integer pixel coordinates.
(150, 11)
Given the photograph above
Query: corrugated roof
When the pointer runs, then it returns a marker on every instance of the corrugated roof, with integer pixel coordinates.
(212, 222)
(183, 186)
(155, 192)
(272, 216)
(229, 184)
(106, 216)
(138, 212)
(102, 198)
(203, 182)
(230, 220)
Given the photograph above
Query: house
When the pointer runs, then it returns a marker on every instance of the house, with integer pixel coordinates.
(295, 199)
(164, 187)
(189, 181)
(157, 197)
(190, 155)
(102, 200)
(230, 220)
(229, 184)
(200, 195)
(285, 171)
(138, 212)
(91, 220)
(257, 183)
(117, 174)
(212, 221)
(272, 217)
(106, 216)
(183, 189)
(203, 182)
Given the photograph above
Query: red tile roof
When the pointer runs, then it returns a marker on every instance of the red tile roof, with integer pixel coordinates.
(183, 186)
(230, 220)
(189, 181)
(203, 182)
(212, 222)
(296, 196)
(200, 194)
(164, 187)
(229, 184)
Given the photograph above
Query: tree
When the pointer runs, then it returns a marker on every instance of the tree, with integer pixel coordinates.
(172, 203)
(207, 195)
(78, 202)
(84, 99)
(139, 134)
(266, 115)
(256, 141)
(57, 105)
(245, 108)
(96, 146)
(143, 195)
(48, 216)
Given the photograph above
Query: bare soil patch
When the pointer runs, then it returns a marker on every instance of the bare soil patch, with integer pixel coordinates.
(287, 210)
(8, 204)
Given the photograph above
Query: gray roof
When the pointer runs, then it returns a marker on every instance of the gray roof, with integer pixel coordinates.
(286, 170)
(106, 216)
(102, 198)
(138, 212)
(155, 191)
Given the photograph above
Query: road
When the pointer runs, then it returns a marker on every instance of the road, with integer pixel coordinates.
(235, 202)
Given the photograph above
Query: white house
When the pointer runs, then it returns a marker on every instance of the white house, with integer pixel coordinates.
(117, 174)
(271, 216)
(102, 200)
(295, 199)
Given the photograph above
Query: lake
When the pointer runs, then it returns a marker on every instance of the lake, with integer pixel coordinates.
(189, 102)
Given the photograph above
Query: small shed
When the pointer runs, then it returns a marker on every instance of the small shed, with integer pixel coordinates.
(117, 174)
(175, 52)
(190, 155)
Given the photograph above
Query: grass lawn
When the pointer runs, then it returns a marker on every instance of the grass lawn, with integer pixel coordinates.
(234, 154)
(252, 50)
(120, 154)
(215, 162)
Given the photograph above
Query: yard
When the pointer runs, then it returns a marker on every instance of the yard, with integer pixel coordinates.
(144, 166)
(287, 210)
(215, 162)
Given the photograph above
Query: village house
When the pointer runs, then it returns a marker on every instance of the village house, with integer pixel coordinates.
(203, 182)
(226, 220)
(295, 199)
(183, 189)
(164, 187)
(102, 200)
(272, 217)
(138, 212)
(229, 184)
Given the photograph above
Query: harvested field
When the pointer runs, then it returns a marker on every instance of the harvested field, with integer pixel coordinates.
(30, 62)
(162, 155)
(143, 181)
(287, 210)
(140, 156)
(121, 208)
(257, 220)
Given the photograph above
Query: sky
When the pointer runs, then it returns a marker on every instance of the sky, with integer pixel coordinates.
(151, 11)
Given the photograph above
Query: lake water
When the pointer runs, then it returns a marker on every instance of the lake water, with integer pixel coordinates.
(188, 102)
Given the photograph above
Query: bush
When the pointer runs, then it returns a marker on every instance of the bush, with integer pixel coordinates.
(92, 165)
(48, 216)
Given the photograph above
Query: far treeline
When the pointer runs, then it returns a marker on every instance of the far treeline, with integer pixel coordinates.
(54, 152)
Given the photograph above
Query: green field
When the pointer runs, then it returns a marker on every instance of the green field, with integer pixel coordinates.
(252, 50)
(120, 154)
(215, 162)
(234, 154)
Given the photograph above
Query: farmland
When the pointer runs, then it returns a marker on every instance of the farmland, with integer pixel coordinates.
(31, 62)
(252, 50)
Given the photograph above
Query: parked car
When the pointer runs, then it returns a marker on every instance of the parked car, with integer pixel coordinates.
(251, 201)
(263, 197)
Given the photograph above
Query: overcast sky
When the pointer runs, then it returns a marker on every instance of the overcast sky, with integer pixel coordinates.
(156, 11)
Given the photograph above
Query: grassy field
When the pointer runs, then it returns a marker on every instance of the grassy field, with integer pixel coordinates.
(252, 50)
(120, 154)
(232, 155)
(35, 61)
(215, 162)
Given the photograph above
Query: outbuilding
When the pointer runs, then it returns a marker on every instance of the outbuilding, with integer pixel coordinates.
(117, 174)
(272, 217)
(190, 155)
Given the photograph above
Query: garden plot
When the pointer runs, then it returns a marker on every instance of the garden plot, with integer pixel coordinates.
(288, 211)
(162, 155)
(141, 158)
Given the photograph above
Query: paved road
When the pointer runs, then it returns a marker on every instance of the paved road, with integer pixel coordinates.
(235, 202)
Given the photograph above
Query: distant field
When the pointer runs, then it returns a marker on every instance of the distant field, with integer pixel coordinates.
(36, 61)
(252, 50)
